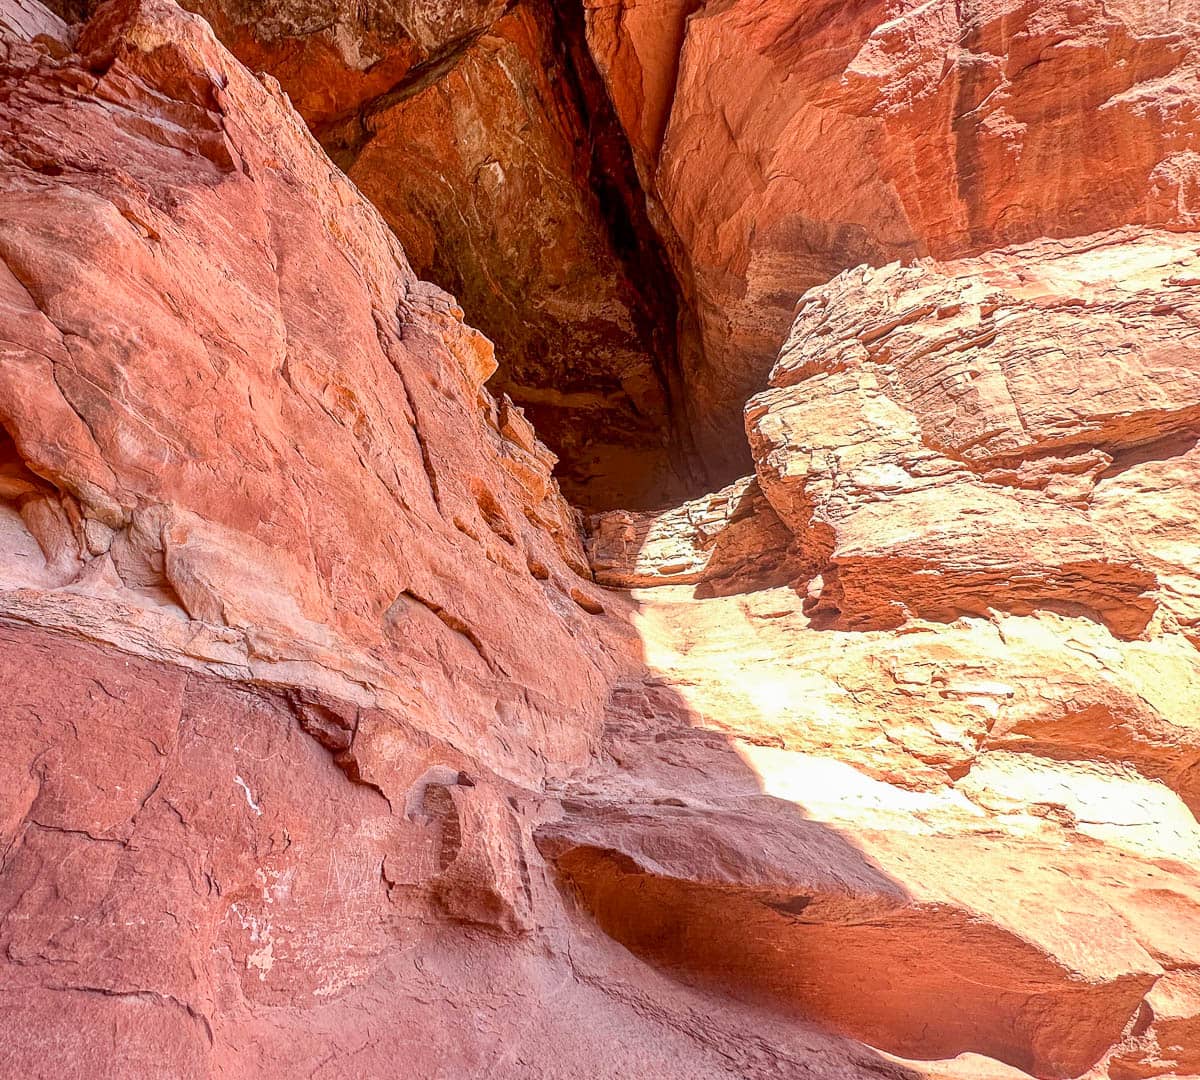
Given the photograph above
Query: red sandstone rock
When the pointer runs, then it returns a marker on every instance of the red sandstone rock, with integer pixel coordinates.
(989, 455)
(320, 751)
(502, 182)
(333, 58)
(270, 425)
(865, 133)
(936, 433)
(493, 138)
(279, 587)
(484, 135)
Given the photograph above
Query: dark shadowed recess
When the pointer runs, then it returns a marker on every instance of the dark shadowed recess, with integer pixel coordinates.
(603, 390)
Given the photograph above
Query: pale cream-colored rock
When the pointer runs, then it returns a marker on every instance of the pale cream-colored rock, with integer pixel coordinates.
(791, 800)
(725, 542)
(942, 797)
(1167, 1041)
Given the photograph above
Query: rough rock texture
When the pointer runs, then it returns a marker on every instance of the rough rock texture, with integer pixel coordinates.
(727, 541)
(328, 749)
(486, 139)
(866, 132)
(332, 58)
(279, 584)
(485, 136)
(507, 182)
(919, 758)
(269, 424)
(936, 434)
(630, 197)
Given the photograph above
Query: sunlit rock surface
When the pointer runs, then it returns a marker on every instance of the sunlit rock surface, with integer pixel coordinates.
(333, 747)
(861, 133)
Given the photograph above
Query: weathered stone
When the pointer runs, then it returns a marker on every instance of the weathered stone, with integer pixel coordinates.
(322, 750)
(782, 144)
(936, 433)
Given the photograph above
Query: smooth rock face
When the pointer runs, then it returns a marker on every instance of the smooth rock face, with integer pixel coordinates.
(329, 748)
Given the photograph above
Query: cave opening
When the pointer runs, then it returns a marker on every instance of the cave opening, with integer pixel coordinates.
(654, 464)
(498, 158)
(511, 183)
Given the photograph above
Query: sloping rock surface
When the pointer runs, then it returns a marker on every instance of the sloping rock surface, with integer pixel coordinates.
(327, 746)
(951, 619)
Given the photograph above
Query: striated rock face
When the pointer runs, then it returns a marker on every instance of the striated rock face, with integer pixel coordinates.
(726, 542)
(329, 747)
(507, 182)
(629, 198)
(269, 425)
(845, 134)
(277, 584)
(950, 642)
(485, 137)
(938, 433)
(333, 58)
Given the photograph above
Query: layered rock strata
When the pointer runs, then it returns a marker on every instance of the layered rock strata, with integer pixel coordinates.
(330, 750)
(848, 134)
(949, 623)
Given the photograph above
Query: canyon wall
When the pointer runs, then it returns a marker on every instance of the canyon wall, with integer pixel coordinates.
(782, 143)
(850, 732)
(630, 198)
(485, 137)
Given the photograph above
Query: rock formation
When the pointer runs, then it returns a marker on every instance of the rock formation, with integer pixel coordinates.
(336, 742)
(862, 133)
(485, 137)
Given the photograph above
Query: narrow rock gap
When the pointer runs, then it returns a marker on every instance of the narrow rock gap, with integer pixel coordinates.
(659, 304)
(651, 433)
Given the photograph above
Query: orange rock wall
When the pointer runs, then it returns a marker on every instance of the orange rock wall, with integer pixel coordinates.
(335, 741)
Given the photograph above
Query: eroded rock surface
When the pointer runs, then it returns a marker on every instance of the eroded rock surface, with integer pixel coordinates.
(506, 181)
(847, 134)
(939, 433)
(963, 696)
(629, 198)
(327, 746)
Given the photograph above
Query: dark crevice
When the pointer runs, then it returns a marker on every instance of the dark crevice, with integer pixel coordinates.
(71, 11)
(644, 414)
(459, 626)
(656, 299)
(605, 391)
(614, 181)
